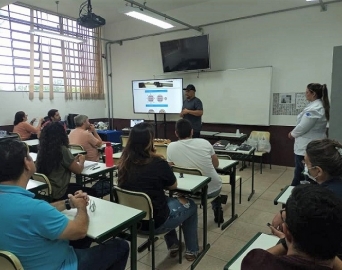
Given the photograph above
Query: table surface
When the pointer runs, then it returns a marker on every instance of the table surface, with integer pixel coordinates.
(100, 167)
(235, 151)
(223, 163)
(191, 183)
(32, 142)
(230, 135)
(285, 194)
(106, 217)
(209, 133)
(34, 184)
(260, 240)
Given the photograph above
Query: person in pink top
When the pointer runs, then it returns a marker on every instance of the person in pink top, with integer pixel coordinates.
(24, 129)
(85, 134)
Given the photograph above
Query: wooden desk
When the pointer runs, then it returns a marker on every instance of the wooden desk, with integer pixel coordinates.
(33, 142)
(99, 170)
(260, 240)
(108, 220)
(228, 167)
(36, 186)
(243, 156)
(192, 184)
(283, 195)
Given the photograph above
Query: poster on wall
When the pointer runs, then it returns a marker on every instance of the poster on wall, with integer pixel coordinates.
(288, 103)
(301, 101)
(288, 98)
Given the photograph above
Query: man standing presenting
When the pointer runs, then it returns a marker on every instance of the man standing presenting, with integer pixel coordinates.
(85, 134)
(192, 110)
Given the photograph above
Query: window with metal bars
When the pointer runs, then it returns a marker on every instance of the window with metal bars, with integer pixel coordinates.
(40, 64)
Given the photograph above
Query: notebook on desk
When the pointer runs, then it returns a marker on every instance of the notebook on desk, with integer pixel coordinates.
(221, 145)
(88, 164)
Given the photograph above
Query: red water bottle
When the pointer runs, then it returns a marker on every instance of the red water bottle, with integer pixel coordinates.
(109, 155)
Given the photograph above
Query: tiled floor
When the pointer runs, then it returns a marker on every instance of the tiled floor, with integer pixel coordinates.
(253, 217)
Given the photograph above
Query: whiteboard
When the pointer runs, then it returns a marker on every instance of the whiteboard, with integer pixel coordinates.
(236, 96)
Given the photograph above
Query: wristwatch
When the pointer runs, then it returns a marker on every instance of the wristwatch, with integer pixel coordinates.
(67, 204)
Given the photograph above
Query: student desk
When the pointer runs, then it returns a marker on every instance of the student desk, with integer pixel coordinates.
(192, 184)
(260, 240)
(33, 142)
(108, 220)
(76, 152)
(283, 195)
(228, 167)
(232, 136)
(243, 156)
(208, 133)
(35, 186)
(93, 173)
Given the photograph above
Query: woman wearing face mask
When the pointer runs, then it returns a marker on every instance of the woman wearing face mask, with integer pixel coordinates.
(311, 125)
(323, 165)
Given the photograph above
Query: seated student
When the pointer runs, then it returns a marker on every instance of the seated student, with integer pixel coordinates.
(85, 134)
(323, 165)
(53, 116)
(142, 170)
(55, 160)
(197, 153)
(313, 233)
(25, 130)
(37, 232)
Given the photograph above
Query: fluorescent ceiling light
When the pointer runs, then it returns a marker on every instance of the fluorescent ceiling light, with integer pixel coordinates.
(55, 36)
(149, 19)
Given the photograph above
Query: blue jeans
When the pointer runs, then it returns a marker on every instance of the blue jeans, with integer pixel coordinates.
(298, 173)
(110, 255)
(181, 214)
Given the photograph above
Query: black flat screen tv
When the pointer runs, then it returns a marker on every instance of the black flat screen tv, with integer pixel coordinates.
(157, 96)
(186, 54)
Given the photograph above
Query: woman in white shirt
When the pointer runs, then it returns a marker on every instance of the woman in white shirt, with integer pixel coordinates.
(311, 125)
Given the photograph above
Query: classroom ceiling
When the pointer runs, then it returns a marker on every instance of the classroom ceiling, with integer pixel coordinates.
(194, 12)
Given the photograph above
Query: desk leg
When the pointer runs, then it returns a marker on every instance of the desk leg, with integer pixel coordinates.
(79, 179)
(111, 182)
(206, 246)
(232, 177)
(134, 246)
(253, 191)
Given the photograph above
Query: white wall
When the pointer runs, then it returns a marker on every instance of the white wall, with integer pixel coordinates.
(298, 44)
(11, 102)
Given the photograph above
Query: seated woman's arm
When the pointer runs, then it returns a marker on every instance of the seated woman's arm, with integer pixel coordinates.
(77, 165)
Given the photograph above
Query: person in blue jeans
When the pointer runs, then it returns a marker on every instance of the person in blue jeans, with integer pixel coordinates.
(37, 232)
(142, 170)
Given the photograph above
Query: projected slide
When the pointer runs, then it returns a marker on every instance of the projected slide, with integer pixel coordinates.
(158, 96)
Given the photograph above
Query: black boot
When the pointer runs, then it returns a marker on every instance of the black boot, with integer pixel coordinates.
(218, 213)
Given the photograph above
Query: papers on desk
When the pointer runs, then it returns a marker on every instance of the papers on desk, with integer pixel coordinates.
(88, 164)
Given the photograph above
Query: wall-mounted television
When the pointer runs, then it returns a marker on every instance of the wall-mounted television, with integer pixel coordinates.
(157, 96)
(186, 54)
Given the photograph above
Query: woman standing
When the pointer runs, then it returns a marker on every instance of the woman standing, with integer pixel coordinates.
(24, 129)
(142, 170)
(311, 125)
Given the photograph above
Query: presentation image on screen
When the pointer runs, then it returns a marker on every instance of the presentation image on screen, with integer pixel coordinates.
(157, 96)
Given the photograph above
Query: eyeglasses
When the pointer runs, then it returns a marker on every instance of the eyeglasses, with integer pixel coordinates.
(92, 206)
(281, 214)
(312, 167)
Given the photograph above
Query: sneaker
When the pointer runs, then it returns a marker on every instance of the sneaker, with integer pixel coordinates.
(216, 214)
(174, 249)
(189, 256)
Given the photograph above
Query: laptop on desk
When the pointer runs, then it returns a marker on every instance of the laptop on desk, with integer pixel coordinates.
(221, 145)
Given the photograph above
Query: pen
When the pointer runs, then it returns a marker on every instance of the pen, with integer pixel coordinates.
(95, 168)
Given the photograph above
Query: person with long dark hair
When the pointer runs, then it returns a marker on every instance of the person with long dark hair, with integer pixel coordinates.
(142, 170)
(55, 160)
(311, 125)
(24, 129)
